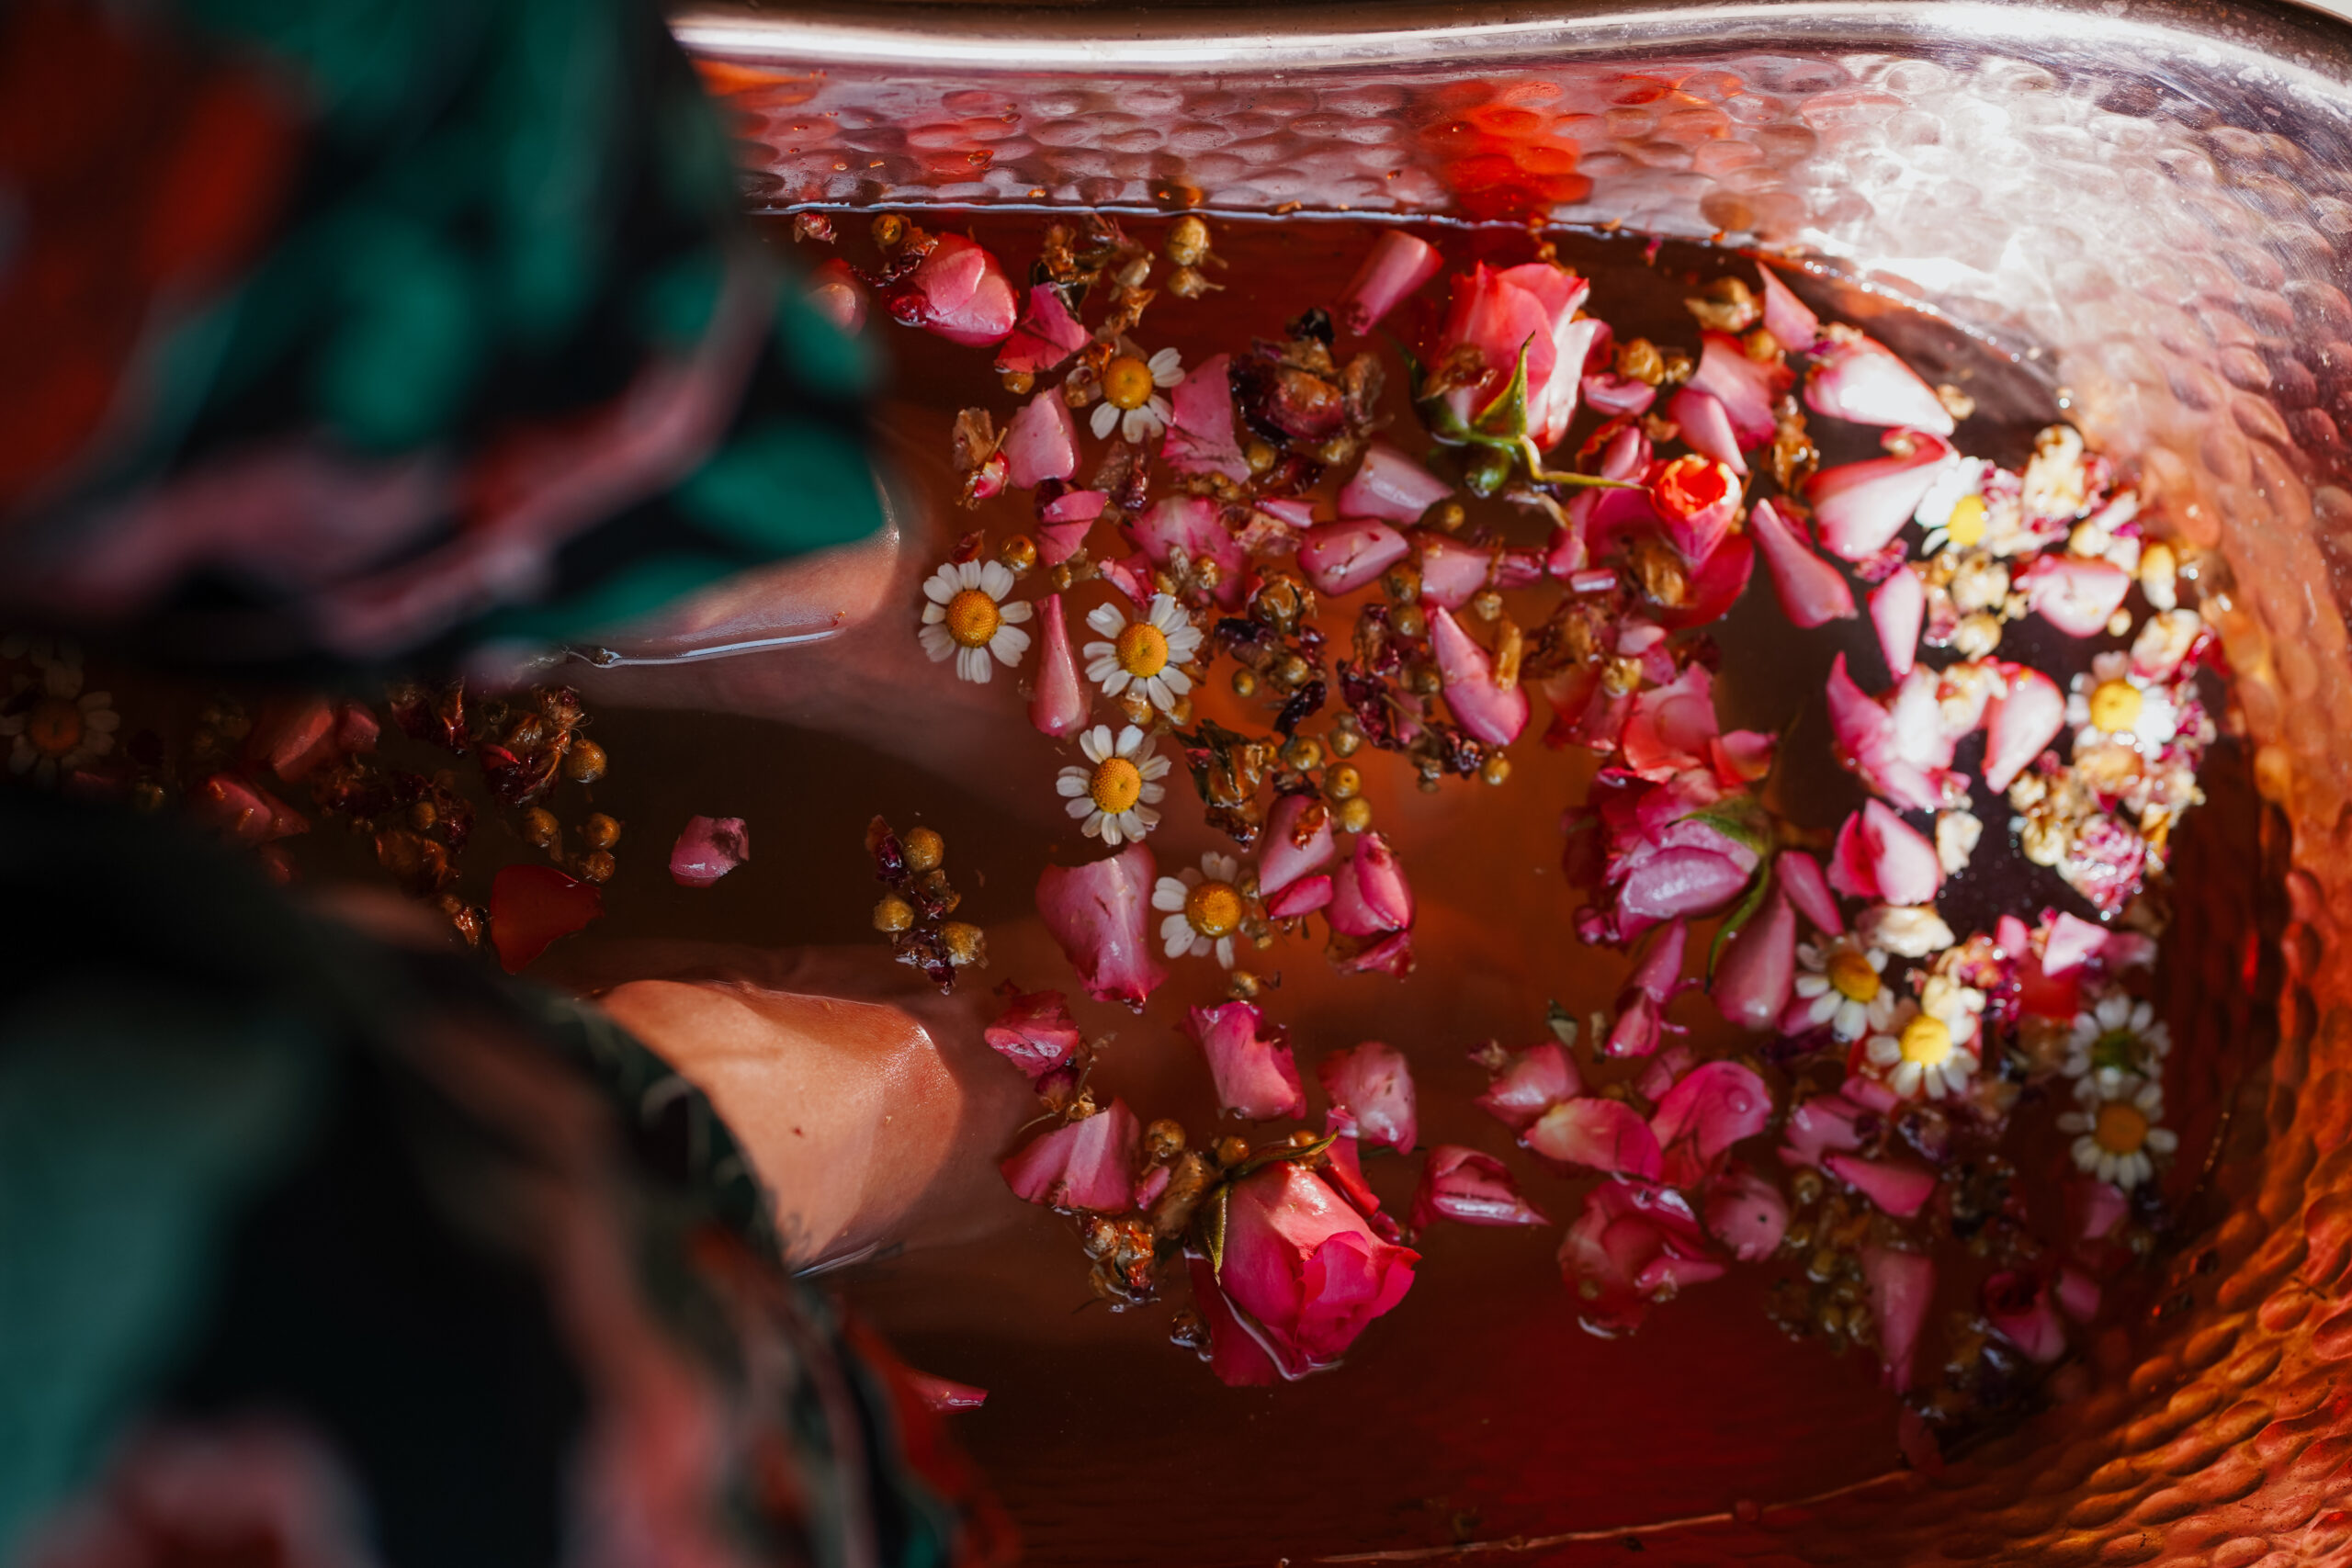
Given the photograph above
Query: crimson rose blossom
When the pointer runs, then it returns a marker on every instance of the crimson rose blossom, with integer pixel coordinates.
(1306, 1266)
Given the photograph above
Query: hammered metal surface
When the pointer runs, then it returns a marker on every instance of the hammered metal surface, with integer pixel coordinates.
(2155, 200)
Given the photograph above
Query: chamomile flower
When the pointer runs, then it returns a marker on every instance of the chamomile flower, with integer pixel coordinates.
(2111, 702)
(1205, 908)
(1844, 985)
(53, 727)
(968, 617)
(1919, 1056)
(2118, 1138)
(2116, 1036)
(1131, 387)
(1144, 652)
(1114, 793)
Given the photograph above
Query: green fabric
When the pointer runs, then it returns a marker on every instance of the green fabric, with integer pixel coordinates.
(130, 1127)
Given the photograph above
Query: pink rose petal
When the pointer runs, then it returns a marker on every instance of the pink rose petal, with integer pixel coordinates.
(1193, 524)
(1063, 698)
(1613, 396)
(1034, 1032)
(1800, 878)
(1373, 1086)
(1298, 840)
(1706, 428)
(1470, 1189)
(959, 292)
(1256, 1077)
(1882, 857)
(1901, 1286)
(1714, 1106)
(1045, 336)
(1041, 443)
(1453, 572)
(2072, 942)
(1789, 319)
(2078, 596)
(1856, 378)
(708, 849)
(1859, 508)
(1304, 896)
(1088, 1165)
(2023, 719)
(1489, 709)
(1537, 1078)
(1898, 608)
(1237, 1357)
(1064, 522)
(1397, 265)
(1822, 1125)
(1607, 1136)
(2021, 1310)
(1369, 893)
(1758, 966)
(1897, 1187)
(1631, 1245)
(1745, 388)
(1388, 484)
(2077, 1294)
(1201, 437)
(1812, 593)
(1746, 1212)
(1339, 557)
(1099, 912)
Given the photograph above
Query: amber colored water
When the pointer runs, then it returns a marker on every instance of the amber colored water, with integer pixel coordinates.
(1477, 1410)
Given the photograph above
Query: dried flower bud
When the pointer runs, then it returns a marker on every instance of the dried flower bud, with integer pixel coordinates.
(1409, 621)
(1353, 815)
(966, 943)
(893, 914)
(1163, 1139)
(1344, 782)
(1638, 359)
(1019, 383)
(146, 796)
(1245, 684)
(926, 850)
(1259, 456)
(1495, 769)
(890, 229)
(1188, 241)
(1231, 1150)
(597, 865)
(1726, 305)
(540, 829)
(585, 763)
(1402, 583)
(422, 816)
(1191, 283)
(1019, 553)
(1303, 752)
(1486, 604)
(1345, 741)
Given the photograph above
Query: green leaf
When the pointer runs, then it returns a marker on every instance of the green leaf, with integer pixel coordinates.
(1278, 1154)
(1504, 420)
(1743, 912)
(1563, 1025)
(1213, 1232)
(1742, 819)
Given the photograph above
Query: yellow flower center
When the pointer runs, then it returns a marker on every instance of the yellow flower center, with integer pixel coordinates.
(1126, 381)
(2122, 1127)
(973, 617)
(2115, 705)
(1851, 975)
(54, 727)
(1967, 528)
(1117, 785)
(1142, 650)
(1926, 1041)
(1213, 909)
